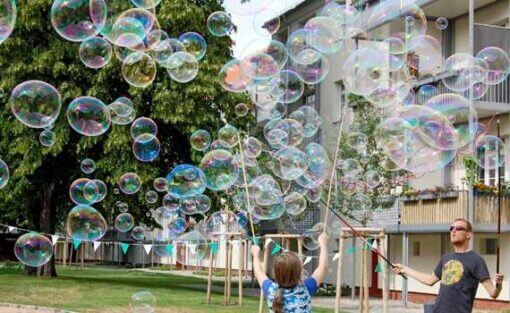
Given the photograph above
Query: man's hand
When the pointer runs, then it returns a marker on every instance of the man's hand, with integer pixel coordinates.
(255, 250)
(323, 239)
(399, 269)
(499, 278)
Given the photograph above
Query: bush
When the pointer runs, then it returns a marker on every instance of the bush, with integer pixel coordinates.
(326, 290)
(11, 268)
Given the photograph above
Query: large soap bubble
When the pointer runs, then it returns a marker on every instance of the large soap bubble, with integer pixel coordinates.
(499, 64)
(85, 223)
(139, 69)
(143, 125)
(88, 116)
(95, 52)
(4, 174)
(124, 222)
(161, 184)
(138, 233)
(221, 224)
(236, 76)
(195, 44)
(295, 203)
(490, 151)
(83, 191)
(8, 12)
(35, 103)
(185, 180)
(200, 140)
(290, 163)
(197, 247)
(130, 183)
(146, 147)
(142, 302)
(78, 20)
(47, 138)
(220, 169)
(219, 24)
(182, 67)
(33, 249)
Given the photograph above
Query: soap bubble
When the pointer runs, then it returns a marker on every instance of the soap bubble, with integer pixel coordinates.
(95, 52)
(200, 140)
(300, 49)
(146, 147)
(33, 249)
(143, 125)
(142, 302)
(319, 168)
(290, 86)
(185, 180)
(295, 203)
(246, 8)
(221, 172)
(343, 14)
(138, 233)
(425, 93)
(139, 69)
(82, 191)
(219, 24)
(182, 67)
(241, 109)
(499, 64)
(121, 120)
(132, 27)
(253, 146)
(273, 48)
(151, 196)
(47, 138)
(122, 106)
(195, 44)
(88, 116)
(220, 224)
(102, 189)
(220, 145)
(427, 55)
(314, 72)
(78, 20)
(130, 183)
(441, 23)
(87, 166)
(360, 202)
(85, 223)
(124, 222)
(463, 71)
(172, 202)
(372, 179)
(229, 134)
(264, 66)
(290, 163)
(236, 76)
(490, 151)
(309, 118)
(266, 190)
(196, 245)
(35, 103)
(196, 204)
(8, 13)
(326, 34)
(161, 184)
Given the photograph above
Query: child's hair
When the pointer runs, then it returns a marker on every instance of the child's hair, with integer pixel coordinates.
(288, 269)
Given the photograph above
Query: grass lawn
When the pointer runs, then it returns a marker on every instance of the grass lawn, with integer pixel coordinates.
(109, 290)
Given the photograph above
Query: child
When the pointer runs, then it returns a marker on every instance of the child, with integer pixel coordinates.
(289, 294)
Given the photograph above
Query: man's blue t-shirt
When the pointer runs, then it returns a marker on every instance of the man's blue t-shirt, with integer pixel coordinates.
(295, 300)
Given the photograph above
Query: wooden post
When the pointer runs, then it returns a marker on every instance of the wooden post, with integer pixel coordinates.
(384, 270)
(287, 244)
(209, 277)
(71, 255)
(300, 246)
(339, 272)
(229, 273)
(82, 254)
(365, 278)
(64, 254)
(362, 280)
(264, 268)
(225, 288)
(240, 272)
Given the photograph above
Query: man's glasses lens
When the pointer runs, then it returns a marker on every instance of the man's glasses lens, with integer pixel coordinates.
(457, 228)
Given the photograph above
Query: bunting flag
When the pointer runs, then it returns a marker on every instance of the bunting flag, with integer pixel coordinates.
(169, 249)
(276, 249)
(147, 248)
(125, 247)
(375, 245)
(76, 243)
(268, 241)
(54, 239)
(307, 260)
(378, 268)
(11, 228)
(256, 240)
(351, 250)
(336, 256)
(96, 245)
(193, 248)
(214, 247)
(368, 245)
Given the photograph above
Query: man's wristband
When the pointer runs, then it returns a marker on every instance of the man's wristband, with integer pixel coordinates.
(499, 285)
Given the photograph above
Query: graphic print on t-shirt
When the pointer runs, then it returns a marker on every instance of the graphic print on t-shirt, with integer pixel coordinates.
(452, 272)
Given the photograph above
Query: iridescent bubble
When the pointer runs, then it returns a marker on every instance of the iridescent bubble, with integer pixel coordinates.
(372, 178)
(87, 166)
(441, 23)
(293, 129)
(463, 71)
(253, 146)
(326, 34)
(221, 172)
(146, 147)
(102, 189)
(86, 224)
(195, 44)
(219, 24)
(490, 151)
(8, 13)
(427, 55)
(229, 134)
(314, 72)
(344, 14)
(151, 197)
(122, 106)
(263, 65)
(266, 21)
(185, 180)
(273, 48)
(241, 109)
(499, 64)
(172, 201)
(33, 249)
(196, 204)
(309, 118)
(78, 20)
(35, 103)
(82, 192)
(131, 28)
(95, 52)
(220, 224)
(161, 184)
(290, 86)
(88, 116)
(138, 233)
(349, 185)
(121, 120)
(365, 71)
(266, 191)
(143, 125)
(182, 67)
(196, 248)
(122, 206)
(236, 76)
(319, 168)
(139, 69)
(290, 163)
(142, 302)
(200, 140)
(300, 49)
(220, 145)
(360, 202)
(130, 183)
(124, 222)
(295, 203)
(47, 138)
(425, 93)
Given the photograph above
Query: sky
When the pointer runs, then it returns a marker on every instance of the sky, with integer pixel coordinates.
(246, 30)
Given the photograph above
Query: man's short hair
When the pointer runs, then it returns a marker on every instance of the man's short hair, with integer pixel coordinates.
(469, 227)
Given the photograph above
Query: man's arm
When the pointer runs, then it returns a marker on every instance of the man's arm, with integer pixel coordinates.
(257, 265)
(427, 279)
(322, 270)
(494, 290)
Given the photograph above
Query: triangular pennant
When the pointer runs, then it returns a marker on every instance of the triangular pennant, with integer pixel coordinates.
(193, 248)
(11, 228)
(268, 241)
(96, 245)
(54, 239)
(76, 243)
(214, 247)
(336, 256)
(147, 248)
(351, 250)
(378, 268)
(375, 245)
(125, 247)
(256, 240)
(307, 260)
(169, 249)
(276, 249)
(368, 244)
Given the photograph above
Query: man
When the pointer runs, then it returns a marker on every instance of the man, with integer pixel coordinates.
(459, 272)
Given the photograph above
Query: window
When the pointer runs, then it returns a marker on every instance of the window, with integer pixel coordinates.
(490, 157)
(416, 248)
(489, 246)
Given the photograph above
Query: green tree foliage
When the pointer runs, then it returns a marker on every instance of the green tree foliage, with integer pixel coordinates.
(37, 193)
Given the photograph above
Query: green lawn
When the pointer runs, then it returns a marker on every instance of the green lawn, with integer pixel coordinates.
(109, 290)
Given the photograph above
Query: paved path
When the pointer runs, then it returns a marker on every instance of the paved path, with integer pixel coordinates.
(18, 308)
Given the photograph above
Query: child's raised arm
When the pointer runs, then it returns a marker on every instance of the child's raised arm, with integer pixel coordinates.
(257, 265)
(322, 270)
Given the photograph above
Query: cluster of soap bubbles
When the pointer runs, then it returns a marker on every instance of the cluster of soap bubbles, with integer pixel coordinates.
(146, 145)
(131, 32)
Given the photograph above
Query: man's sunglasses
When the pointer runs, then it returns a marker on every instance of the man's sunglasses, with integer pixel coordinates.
(457, 228)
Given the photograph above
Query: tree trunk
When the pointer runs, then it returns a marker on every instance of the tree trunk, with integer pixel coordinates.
(47, 222)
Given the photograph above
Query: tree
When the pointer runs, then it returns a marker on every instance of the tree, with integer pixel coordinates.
(37, 193)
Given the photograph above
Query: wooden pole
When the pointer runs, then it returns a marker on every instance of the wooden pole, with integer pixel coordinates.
(240, 272)
(225, 288)
(82, 254)
(264, 268)
(365, 278)
(230, 258)
(339, 272)
(300, 246)
(209, 277)
(362, 280)
(64, 254)
(384, 270)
